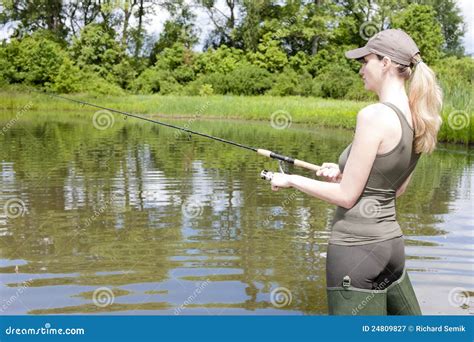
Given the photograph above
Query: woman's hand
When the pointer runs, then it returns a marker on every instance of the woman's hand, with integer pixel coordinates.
(280, 180)
(331, 172)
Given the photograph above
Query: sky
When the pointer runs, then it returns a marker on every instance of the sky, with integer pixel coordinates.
(467, 8)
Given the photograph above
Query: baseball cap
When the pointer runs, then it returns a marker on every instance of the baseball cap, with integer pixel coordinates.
(393, 43)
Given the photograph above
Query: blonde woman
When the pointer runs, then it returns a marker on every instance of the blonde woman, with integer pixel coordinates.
(365, 268)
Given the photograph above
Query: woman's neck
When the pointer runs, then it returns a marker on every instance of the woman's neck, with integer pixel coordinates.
(392, 91)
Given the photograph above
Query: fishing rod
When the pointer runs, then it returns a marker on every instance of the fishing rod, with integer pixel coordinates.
(267, 175)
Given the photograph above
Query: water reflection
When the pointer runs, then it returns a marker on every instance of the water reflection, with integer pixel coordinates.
(153, 216)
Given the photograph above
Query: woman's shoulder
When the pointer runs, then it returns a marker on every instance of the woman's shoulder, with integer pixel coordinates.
(376, 114)
(374, 109)
(371, 114)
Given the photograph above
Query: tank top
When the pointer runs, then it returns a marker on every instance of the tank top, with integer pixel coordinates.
(373, 217)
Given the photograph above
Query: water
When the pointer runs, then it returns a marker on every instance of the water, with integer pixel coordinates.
(140, 219)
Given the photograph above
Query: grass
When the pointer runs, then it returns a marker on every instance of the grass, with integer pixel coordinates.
(321, 112)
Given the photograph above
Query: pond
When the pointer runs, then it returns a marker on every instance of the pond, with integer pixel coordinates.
(142, 219)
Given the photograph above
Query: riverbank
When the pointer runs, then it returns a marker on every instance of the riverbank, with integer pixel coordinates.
(458, 125)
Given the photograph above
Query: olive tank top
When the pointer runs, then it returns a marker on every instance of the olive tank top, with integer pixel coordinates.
(373, 218)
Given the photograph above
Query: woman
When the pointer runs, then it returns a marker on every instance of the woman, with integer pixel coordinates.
(365, 268)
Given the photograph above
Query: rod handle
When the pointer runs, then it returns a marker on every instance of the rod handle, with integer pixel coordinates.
(306, 165)
(297, 162)
(265, 153)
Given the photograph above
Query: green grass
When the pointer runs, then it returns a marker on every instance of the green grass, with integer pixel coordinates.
(321, 112)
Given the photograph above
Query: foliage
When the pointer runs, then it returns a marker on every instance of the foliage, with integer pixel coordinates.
(279, 48)
(334, 81)
(419, 21)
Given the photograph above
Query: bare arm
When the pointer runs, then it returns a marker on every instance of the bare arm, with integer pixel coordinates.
(367, 139)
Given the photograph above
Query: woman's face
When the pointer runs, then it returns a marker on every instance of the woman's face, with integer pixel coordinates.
(371, 72)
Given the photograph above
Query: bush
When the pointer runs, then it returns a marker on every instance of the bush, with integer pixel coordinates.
(7, 69)
(206, 90)
(248, 79)
(289, 82)
(34, 60)
(68, 79)
(154, 80)
(223, 60)
(218, 82)
(94, 84)
(334, 81)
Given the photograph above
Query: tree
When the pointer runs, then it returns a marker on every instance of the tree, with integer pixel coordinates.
(180, 28)
(33, 60)
(34, 15)
(269, 55)
(419, 21)
(80, 14)
(96, 49)
(224, 22)
(453, 28)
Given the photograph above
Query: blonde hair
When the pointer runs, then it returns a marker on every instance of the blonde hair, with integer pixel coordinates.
(425, 99)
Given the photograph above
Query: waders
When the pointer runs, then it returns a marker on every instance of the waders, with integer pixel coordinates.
(397, 299)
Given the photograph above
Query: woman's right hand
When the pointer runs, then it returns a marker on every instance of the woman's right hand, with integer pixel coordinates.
(331, 172)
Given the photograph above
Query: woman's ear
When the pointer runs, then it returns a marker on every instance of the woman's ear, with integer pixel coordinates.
(386, 62)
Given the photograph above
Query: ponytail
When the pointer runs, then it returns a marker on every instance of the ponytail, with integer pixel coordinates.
(426, 99)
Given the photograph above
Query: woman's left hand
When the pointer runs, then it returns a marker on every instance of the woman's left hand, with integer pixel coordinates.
(280, 180)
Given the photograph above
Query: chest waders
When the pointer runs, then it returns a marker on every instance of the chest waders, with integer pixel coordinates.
(397, 299)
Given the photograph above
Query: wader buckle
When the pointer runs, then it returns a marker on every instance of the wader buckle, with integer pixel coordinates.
(346, 282)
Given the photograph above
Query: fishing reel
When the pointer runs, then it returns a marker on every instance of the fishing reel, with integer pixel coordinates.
(268, 175)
